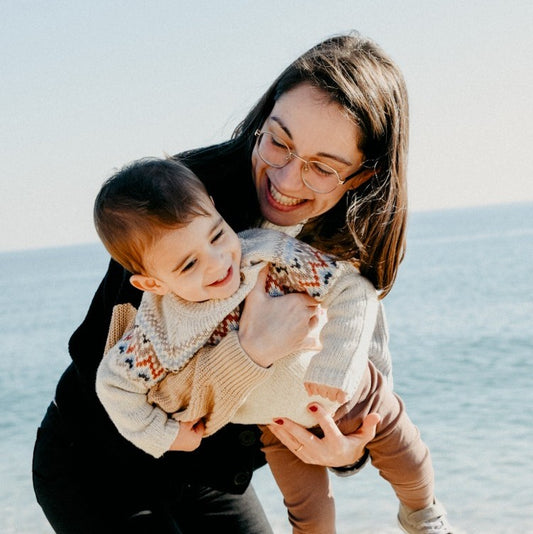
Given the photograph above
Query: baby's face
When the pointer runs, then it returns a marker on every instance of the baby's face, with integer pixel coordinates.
(198, 262)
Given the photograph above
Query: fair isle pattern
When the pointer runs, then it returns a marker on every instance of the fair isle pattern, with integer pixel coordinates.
(122, 320)
(139, 357)
(228, 324)
(301, 269)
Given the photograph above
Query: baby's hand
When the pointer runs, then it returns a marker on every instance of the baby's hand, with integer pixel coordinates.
(189, 436)
(333, 394)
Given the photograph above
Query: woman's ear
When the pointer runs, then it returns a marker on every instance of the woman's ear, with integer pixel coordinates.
(147, 283)
(360, 179)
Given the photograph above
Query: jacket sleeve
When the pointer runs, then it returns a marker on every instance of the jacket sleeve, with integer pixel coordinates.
(352, 308)
(87, 343)
(123, 380)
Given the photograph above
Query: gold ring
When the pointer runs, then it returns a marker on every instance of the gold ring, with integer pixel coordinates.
(299, 448)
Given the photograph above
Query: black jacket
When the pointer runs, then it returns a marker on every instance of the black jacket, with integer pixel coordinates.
(224, 461)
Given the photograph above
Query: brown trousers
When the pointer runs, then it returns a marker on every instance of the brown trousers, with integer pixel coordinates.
(397, 451)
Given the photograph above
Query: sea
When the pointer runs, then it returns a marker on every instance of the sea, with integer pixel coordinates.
(461, 333)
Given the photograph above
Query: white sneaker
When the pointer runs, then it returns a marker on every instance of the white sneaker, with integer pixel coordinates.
(430, 520)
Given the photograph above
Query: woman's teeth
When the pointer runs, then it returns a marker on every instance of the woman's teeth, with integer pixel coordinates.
(282, 199)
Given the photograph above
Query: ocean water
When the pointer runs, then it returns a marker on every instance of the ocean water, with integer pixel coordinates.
(461, 322)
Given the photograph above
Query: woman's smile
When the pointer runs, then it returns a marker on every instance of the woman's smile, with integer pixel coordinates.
(280, 199)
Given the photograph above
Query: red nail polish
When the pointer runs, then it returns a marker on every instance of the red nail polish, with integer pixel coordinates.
(313, 408)
(278, 421)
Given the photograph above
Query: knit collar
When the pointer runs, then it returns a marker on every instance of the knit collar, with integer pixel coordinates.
(179, 328)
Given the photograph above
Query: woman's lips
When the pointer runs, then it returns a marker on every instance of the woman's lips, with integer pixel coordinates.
(281, 199)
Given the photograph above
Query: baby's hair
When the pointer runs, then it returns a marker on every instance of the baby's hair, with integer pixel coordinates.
(142, 200)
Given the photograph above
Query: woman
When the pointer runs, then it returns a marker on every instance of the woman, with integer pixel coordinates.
(325, 146)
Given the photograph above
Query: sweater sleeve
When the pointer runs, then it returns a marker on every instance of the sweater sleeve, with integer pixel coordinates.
(213, 385)
(379, 353)
(352, 307)
(123, 380)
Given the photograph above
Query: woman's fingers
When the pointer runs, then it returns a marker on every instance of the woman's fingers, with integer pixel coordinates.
(334, 449)
(285, 430)
(261, 281)
(304, 444)
(324, 420)
(367, 430)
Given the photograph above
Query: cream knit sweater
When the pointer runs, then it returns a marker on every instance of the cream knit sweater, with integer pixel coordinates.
(184, 358)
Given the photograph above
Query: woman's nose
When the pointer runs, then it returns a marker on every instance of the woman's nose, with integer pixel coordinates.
(290, 176)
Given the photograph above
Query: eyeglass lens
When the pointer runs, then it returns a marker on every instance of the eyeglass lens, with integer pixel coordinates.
(316, 175)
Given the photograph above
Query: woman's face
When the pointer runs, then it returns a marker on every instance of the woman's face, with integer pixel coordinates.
(316, 129)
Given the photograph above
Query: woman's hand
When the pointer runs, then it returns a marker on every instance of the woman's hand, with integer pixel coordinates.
(334, 449)
(273, 327)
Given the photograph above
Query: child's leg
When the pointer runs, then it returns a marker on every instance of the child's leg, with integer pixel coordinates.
(305, 488)
(397, 449)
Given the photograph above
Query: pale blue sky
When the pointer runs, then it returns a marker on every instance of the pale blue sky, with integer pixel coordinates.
(87, 86)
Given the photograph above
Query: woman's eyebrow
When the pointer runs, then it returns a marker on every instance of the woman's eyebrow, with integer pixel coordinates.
(281, 125)
(336, 157)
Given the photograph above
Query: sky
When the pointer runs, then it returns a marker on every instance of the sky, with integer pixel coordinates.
(89, 86)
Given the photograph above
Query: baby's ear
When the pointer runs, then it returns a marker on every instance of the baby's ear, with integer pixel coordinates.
(147, 283)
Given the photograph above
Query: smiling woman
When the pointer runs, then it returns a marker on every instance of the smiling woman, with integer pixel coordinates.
(319, 130)
(342, 103)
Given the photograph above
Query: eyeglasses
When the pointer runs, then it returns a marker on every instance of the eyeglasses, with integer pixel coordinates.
(317, 176)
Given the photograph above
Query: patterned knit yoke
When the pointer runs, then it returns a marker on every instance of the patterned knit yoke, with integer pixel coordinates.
(304, 270)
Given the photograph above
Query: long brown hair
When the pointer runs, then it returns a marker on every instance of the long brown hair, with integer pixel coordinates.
(369, 224)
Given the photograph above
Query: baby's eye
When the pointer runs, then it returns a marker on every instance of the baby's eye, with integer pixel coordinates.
(217, 236)
(188, 266)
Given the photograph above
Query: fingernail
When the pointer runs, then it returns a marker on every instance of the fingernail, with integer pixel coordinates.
(313, 408)
(278, 421)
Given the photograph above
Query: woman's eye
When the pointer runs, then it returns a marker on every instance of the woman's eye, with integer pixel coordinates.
(277, 143)
(321, 168)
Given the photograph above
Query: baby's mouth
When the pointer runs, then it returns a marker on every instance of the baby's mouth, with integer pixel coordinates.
(223, 278)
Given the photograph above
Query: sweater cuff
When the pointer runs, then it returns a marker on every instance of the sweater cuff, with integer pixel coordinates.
(159, 442)
(234, 376)
(236, 371)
